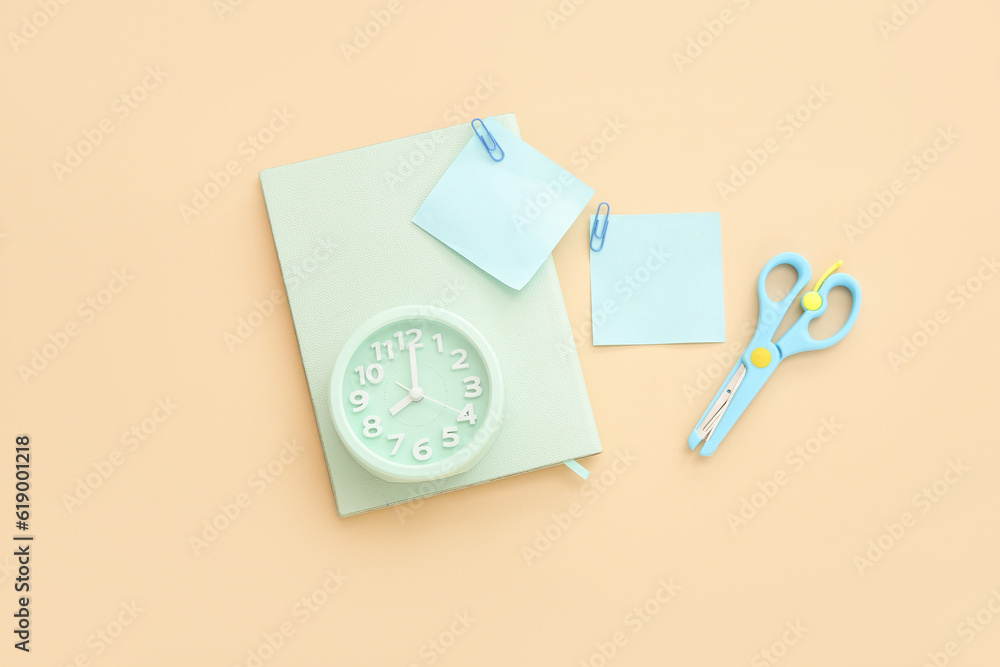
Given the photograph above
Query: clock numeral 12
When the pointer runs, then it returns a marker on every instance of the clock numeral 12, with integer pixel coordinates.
(416, 333)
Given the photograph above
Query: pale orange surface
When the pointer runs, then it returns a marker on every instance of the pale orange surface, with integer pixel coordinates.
(134, 300)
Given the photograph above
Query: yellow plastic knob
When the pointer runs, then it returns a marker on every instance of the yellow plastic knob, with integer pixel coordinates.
(812, 301)
(760, 357)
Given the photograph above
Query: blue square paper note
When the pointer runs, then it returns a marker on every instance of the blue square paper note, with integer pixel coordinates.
(505, 217)
(658, 279)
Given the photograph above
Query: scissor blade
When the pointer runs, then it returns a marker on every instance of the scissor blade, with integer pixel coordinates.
(718, 409)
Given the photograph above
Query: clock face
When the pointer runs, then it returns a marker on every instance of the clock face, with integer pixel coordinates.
(416, 394)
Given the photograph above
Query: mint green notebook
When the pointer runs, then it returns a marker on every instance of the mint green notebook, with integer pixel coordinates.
(348, 250)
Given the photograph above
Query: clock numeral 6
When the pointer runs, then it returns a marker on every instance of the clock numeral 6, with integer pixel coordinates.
(373, 373)
(450, 436)
(421, 450)
(360, 399)
(468, 414)
(460, 364)
(373, 426)
(472, 388)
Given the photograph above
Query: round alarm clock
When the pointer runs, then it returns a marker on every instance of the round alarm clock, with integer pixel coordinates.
(416, 394)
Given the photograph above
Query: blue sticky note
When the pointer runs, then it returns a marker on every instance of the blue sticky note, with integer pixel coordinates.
(658, 279)
(505, 217)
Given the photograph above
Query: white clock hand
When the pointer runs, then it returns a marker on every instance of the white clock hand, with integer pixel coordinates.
(413, 366)
(424, 396)
(402, 404)
(412, 396)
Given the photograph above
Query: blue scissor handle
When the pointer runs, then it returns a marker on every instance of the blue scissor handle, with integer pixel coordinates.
(798, 339)
(762, 356)
(772, 312)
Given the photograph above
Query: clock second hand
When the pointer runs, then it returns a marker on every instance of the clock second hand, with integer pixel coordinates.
(426, 397)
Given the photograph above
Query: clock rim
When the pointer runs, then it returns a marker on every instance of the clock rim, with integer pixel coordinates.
(399, 472)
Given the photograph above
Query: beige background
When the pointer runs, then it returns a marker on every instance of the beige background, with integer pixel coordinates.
(663, 516)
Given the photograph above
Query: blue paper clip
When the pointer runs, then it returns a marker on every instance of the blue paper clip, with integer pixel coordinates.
(479, 133)
(597, 224)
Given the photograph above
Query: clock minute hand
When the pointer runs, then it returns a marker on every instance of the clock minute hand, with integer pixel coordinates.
(413, 366)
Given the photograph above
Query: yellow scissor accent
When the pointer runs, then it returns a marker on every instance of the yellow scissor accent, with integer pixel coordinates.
(812, 300)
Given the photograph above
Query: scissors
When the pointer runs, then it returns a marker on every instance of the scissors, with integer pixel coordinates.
(762, 355)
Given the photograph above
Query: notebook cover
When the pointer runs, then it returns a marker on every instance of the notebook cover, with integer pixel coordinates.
(348, 250)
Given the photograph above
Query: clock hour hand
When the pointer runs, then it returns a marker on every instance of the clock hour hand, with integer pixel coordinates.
(424, 396)
(412, 396)
(402, 404)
